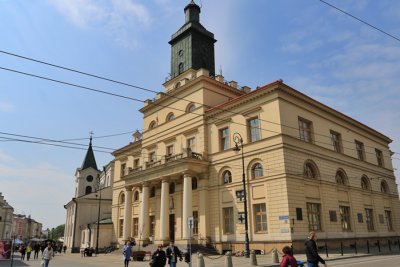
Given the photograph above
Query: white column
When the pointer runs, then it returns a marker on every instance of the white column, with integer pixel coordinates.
(128, 213)
(187, 205)
(164, 214)
(203, 197)
(144, 219)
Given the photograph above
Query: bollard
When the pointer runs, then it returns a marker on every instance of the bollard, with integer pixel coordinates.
(228, 259)
(200, 260)
(379, 246)
(253, 258)
(341, 248)
(390, 245)
(275, 258)
(367, 246)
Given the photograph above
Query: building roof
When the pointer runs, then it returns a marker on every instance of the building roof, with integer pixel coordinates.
(89, 160)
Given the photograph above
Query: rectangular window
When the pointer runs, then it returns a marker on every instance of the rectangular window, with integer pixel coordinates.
(191, 143)
(253, 125)
(388, 215)
(360, 150)
(136, 227)
(152, 156)
(170, 150)
(369, 219)
(379, 157)
(224, 139)
(314, 216)
(136, 163)
(152, 225)
(336, 141)
(228, 220)
(195, 222)
(121, 228)
(260, 217)
(123, 169)
(305, 130)
(345, 218)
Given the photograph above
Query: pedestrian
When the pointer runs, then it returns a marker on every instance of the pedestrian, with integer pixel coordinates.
(23, 251)
(64, 248)
(48, 254)
(127, 251)
(287, 258)
(28, 252)
(313, 257)
(36, 249)
(158, 259)
(173, 253)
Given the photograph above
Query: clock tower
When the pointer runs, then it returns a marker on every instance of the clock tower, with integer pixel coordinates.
(192, 46)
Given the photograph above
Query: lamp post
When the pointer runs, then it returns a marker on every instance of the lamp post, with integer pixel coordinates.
(98, 213)
(237, 138)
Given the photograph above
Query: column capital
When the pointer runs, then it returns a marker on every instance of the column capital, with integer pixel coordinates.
(188, 173)
(128, 187)
(165, 179)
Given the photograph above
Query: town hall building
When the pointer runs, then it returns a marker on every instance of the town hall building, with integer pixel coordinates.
(301, 166)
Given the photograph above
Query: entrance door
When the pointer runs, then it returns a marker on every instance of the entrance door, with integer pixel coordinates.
(172, 227)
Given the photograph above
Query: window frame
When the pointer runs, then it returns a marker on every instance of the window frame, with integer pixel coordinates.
(305, 133)
(224, 181)
(254, 130)
(336, 139)
(379, 157)
(170, 117)
(389, 221)
(224, 139)
(345, 218)
(257, 172)
(369, 219)
(135, 226)
(191, 143)
(121, 228)
(261, 225)
(360, 150)
(195, 222)
(152, 223)
(227, 218)
(314, 216)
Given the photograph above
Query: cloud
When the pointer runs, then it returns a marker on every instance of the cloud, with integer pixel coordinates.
(118, 18)
(5, 157)
(6, 107)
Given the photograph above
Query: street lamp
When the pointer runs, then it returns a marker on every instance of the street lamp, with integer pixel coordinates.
(237, 138)
(98, 213)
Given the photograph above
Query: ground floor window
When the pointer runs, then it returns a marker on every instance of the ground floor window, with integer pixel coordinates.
(260, 217)
(314, 216)
(369, 219)
(228, 220)
(345, 218)
(152, 225)
(121, 228)
(388, 215)
(135, 226)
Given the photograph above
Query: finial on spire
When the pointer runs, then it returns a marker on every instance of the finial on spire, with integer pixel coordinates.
(91, 136)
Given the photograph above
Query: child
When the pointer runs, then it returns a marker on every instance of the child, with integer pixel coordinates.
(287, 258)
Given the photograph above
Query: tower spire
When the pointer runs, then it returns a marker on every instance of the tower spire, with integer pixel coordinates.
(89, 160)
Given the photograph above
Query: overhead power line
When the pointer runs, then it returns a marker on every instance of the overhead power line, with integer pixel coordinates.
(360, 20)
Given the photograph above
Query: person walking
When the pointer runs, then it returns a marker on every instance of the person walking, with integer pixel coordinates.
(28, 252)
(313, 257)
(158, 259)
(127, 251)
(36, 249)
(173, 253)
(23, 252)
(287, 258)
(48, 254)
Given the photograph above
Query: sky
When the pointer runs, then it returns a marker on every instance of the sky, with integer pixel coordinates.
(313, 47)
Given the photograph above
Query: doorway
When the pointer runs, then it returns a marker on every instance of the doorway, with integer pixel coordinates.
(172, 227)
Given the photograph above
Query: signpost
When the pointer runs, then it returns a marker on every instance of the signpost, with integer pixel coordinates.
(190, 224)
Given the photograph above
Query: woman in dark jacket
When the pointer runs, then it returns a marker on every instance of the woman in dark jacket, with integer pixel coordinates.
(313, 257)
(158, 259)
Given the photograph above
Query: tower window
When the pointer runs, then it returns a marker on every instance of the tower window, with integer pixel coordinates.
(180, 68)
(88, 190)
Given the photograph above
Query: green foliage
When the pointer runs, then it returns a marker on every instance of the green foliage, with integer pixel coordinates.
(56, 233)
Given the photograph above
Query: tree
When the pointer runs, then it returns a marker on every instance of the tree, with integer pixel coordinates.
(57, 232)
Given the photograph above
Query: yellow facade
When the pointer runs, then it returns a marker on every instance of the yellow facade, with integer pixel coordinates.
(190, 148)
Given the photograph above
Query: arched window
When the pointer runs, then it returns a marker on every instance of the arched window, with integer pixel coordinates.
(122, 199)
(153, 191)
(180, 68)
(309, 171)
(190, 108)
(194, 183)
(257, 170)
(365, 184)
(340, 178)
(227, 176)
(88, 190)
(170, 116)
(172, 188)
(152, 125)
(136, 196)
(89, 178)
(384, 187)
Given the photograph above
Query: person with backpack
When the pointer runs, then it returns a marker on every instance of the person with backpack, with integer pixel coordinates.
(287, 258)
